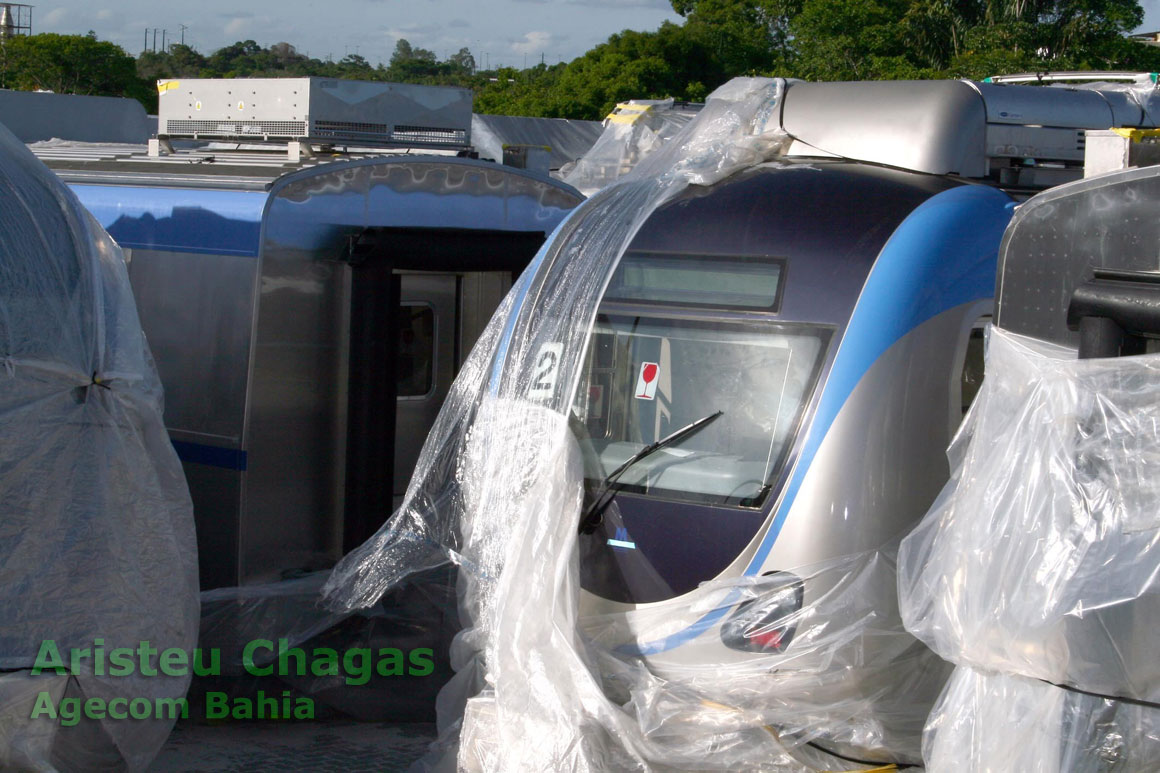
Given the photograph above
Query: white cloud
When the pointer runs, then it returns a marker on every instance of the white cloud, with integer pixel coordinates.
(53, 17)
(534, 42)
(237, 27)
(417, 30)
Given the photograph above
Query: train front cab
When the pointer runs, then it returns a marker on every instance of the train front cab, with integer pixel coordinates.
(832, 312)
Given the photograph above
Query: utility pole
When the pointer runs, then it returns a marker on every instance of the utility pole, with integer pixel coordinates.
(183, 29)
(143, 50)
(155, 31)
(163, 40)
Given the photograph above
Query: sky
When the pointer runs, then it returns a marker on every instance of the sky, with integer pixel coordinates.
(510, 33)
(498, 32)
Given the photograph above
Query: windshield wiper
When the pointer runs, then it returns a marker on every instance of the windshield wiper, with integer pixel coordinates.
(593, 515)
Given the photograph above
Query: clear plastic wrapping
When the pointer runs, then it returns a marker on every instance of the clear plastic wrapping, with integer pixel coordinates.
(1038, 565)
(419, 616)
(97, 544)
(990, 721)
(630, 135)
(547, 684)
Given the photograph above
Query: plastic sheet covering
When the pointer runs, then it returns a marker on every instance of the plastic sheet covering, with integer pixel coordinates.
(1038, 565)
(499, 489)
(420, 614)
(626, 140)
(991, 721)
(96, 526)
(568, 138)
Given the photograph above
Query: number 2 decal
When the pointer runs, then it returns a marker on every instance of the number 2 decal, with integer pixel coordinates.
(545, 371)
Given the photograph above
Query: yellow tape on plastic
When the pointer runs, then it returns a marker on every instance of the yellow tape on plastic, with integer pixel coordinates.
(165, 85)
(627, 114)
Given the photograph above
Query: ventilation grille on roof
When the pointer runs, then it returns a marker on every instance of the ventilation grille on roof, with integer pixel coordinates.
(237, 128)
(352, 130)
(430, 135)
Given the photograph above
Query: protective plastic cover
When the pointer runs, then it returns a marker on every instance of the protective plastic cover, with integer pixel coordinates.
(420, 614)
(627, 139)
(1038, 566)
(499, 490)
(568, 138)
(97, 544)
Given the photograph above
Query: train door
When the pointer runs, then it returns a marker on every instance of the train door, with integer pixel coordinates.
(440, 318)
(419, 300)
(426, 363)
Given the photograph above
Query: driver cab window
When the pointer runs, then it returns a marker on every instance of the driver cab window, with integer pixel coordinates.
(645, 378)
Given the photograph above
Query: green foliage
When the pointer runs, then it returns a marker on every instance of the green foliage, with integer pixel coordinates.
(856, 39)
(68, 64)
(635, 65)
(746, 36)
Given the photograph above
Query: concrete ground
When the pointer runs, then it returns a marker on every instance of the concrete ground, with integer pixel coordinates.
(334, 745)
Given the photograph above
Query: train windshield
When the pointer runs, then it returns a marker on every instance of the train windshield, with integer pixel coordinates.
(646, 377)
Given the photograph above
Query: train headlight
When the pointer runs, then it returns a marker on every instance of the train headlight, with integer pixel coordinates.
(767, 623)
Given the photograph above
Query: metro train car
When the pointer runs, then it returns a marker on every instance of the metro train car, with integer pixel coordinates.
(307, 316)
(816, 324)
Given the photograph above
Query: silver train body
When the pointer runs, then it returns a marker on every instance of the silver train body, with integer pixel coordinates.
(307, 321)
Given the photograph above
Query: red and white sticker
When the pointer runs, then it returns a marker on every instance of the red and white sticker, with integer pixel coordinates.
(646, 383)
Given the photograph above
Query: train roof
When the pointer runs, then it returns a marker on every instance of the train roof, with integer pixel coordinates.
(225, 166)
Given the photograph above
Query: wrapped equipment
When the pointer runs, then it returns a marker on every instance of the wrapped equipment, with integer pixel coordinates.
(499, 490)
(1036, 572)
(97, 541)
(634, 130)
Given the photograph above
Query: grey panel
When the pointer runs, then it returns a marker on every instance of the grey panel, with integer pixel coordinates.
(1058, 237)
(480, 293)
(197, 313)
(928, 126)
(35, 116)
(296, 413)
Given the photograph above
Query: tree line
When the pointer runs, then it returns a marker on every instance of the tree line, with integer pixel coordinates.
(719, 39)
